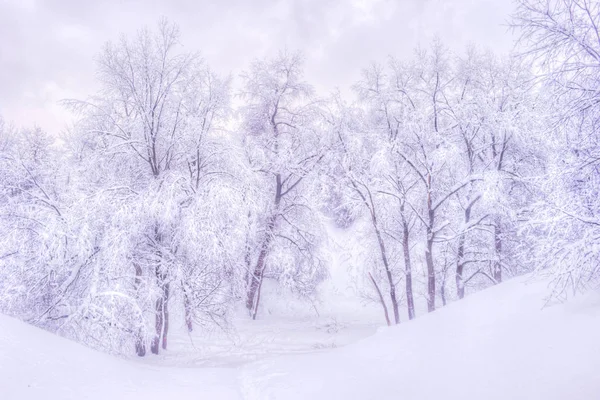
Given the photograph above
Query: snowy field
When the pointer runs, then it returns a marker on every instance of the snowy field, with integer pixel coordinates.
(496, 344)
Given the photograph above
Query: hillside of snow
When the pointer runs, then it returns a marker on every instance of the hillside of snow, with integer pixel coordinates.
(497, 344)
(35, 364)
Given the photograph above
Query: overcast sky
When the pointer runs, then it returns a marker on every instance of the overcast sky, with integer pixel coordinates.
(47, 47)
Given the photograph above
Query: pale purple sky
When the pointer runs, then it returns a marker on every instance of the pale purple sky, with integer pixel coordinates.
(47, 47)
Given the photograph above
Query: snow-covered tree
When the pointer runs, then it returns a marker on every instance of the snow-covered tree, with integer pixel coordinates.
(161, 165)
(562, 40)
(284, 147)
(436, 152)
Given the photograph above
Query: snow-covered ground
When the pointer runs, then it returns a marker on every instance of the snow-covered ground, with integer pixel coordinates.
(496, 344)
(285, 325)
(268, 337)
(35, 364)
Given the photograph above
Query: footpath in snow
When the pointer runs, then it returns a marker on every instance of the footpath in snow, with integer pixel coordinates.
(496, 344)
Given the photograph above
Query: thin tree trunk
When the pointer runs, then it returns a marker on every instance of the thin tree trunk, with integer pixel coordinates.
(158, 325)
(460, 262)
(389, 276)
(248, 256)
(385, 309)
(257, 275)
(498, 246)
(161, 313)
(460, 285)
(429, 250)
(443, 291)
(444, 278)
(408, 269)
(497, 272)
(165, 315)
(140, 345)
(382, 250)
(162, 320)
(430, 273)
(257, 299)
(187, 306)
(256, 278)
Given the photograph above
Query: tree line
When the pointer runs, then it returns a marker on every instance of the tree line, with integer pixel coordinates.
(453, 172)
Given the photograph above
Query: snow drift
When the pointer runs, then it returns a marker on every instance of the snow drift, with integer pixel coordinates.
(497, 344)
(35, 364)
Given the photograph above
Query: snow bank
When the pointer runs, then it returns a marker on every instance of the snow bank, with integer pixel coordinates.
(35, 364)
(497, 344)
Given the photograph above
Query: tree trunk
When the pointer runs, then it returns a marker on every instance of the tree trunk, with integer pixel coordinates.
(443, 290)
(497, 272)
(460, 262)
(430, 272)
(188, 312)
(158, 325)
(140, 344)
(257, 302)
(429, 250)
(248, 256)
(161, 324)
(257, 276)
(165, 315)
(162, 320)
(385, 309)
(460, 285)
(388, 273)
(498, 246)
(369, 203)
(408, 270)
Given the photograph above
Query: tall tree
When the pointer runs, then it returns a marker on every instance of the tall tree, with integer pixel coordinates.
(154, 118)
(284, 148)
(562, 38)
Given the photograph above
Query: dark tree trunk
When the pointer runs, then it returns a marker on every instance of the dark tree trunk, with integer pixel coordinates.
(140, 346)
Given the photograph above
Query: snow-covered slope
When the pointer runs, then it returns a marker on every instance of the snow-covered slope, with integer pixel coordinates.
(497, 344)
(35, 364)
